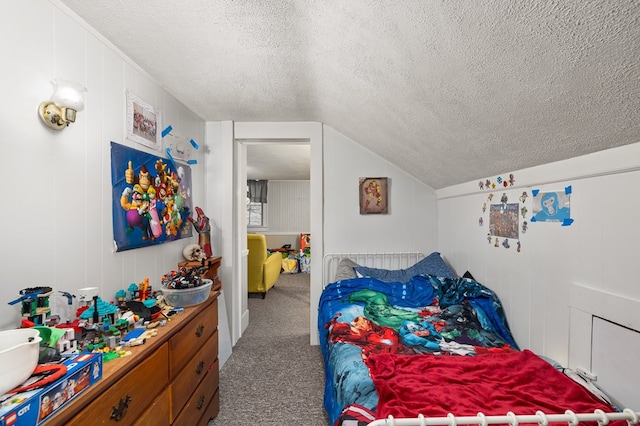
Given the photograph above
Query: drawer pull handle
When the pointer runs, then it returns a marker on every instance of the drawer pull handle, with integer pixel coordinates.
(200, 367)
(118, 413)
(200, 330)
(200, 402)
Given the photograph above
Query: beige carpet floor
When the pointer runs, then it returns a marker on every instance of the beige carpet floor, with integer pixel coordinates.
(274, 376)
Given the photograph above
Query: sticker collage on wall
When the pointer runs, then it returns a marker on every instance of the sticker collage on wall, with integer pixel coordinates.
(504, 218)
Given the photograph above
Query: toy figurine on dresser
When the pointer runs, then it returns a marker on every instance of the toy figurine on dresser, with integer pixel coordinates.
(203, 227)
(194, 253)
(34, 304)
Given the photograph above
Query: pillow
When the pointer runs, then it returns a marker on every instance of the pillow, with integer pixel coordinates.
(430, 265)
(345, 270)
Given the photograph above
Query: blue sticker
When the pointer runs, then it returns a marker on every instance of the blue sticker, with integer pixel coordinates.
(192, 161)
(166, 131)
(567, 222)
(534, 192)
(194, 144)
(567, 190)
(171, 158)
(533, 219)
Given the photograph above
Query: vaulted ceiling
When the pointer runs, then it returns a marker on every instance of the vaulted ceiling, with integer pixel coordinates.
(450, 91)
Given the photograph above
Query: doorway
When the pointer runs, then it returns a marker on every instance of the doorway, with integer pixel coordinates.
(260, 134)
(280, 171)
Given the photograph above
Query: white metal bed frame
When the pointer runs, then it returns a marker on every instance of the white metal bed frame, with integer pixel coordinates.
(400, 260)
(569, 417)
(380, 260)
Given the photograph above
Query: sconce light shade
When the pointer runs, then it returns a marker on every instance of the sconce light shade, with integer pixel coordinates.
(68, 97)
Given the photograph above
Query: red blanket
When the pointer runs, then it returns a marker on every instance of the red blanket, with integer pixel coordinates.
(465, 385)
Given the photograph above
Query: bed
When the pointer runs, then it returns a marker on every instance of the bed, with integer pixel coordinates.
(407, 341)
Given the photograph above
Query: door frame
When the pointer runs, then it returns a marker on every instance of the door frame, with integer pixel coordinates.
(271, 132)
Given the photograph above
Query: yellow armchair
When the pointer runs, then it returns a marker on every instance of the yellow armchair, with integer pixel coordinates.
(263, 269)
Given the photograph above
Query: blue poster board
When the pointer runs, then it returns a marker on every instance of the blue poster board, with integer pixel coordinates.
(151, 198)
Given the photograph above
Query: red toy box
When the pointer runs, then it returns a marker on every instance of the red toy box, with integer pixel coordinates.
(33, 407)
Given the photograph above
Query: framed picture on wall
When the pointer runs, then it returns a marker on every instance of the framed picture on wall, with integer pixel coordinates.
(143, 123)
(373, 195)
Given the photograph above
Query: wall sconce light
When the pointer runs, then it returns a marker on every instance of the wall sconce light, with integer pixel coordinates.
(61, 110)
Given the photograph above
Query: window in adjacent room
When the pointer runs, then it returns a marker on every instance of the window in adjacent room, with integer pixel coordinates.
(257, 203)
(255, 214)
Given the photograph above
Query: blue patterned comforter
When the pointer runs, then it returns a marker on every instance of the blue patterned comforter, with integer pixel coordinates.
(364, 316)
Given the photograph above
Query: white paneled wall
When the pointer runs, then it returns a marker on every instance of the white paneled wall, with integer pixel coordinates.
(58, 228)
(410, 225)
(288, 206)
(599, 250)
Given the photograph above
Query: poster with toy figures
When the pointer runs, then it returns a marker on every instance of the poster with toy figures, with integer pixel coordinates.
(503, 220)
(151, 198)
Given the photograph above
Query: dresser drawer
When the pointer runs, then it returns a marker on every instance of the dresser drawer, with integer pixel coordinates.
(199, 403)
(130, 396)
(192, 337)
(212, 410)
(194, 371)
(157, 414)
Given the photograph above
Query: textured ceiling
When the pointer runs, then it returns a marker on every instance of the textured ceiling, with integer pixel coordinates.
(451, 91)
(273, 161)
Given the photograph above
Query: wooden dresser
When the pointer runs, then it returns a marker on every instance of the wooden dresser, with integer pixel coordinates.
(170, 380)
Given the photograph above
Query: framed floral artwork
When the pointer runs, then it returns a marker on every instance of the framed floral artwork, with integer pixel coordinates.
(373, 195)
